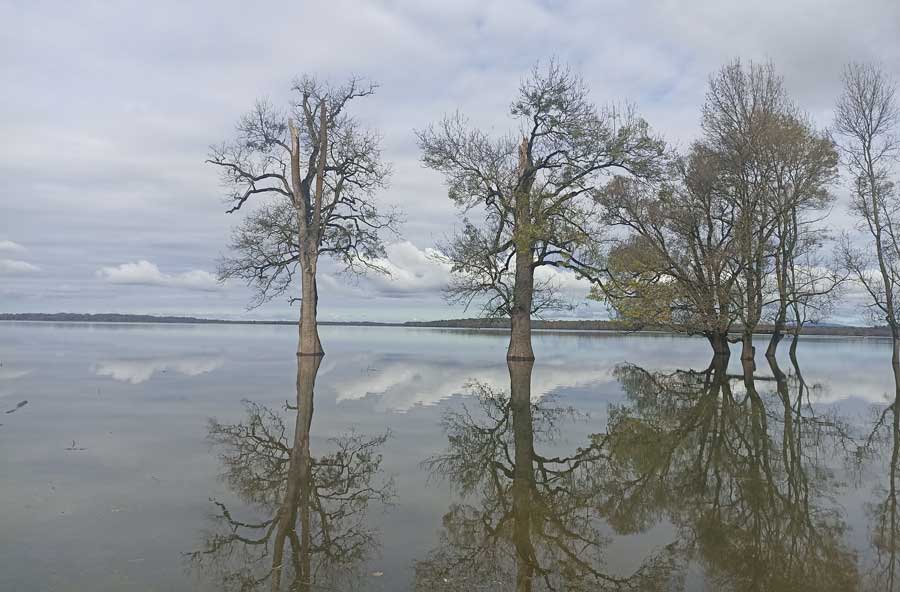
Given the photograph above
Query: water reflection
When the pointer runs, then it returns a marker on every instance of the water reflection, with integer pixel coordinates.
(882, 511)
(537, 523)
(308, 527)
(741, 469)
(138, 371)
(403, 383)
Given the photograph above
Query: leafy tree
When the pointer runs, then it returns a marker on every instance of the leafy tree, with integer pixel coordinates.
(531, 192)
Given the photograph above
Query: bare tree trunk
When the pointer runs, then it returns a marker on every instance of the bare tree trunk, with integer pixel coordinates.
(523, 288)
(782, 260)
(719, 343)
(523, 471)
(895, 365)
(780, 321)
(310, 345)
(795, 339)
(520, 315)
(775, 339)
(748, 352)
(299, 480)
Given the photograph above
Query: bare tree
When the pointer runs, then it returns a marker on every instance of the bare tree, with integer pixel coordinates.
(532, 189)
(804, 163)
(866, 122)
(814, 284)
(316, 171)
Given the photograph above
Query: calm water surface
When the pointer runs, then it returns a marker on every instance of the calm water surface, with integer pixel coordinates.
(154, 457)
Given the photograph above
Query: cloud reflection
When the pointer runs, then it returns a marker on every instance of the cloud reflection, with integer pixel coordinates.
(138, 371)
(403, 383)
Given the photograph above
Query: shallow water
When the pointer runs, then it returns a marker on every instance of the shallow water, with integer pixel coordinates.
(164, 457)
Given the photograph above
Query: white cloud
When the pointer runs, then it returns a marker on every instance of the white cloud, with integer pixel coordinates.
(16, 267)
(413, 271)
(8, 246)
(145, 273)
(567, 282)
(416, 271)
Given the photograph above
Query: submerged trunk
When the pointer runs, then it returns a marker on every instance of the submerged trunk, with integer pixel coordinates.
(520, 315)
(795, 339)
(309, 329)
(523, 471)
(719, 343)
(774, 340)
(891, 505)
(780, 323)
(895, 365)
(748, 352)
(299, 484)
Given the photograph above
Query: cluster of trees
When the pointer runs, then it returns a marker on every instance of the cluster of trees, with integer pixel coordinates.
(715, 240)
(731, 230)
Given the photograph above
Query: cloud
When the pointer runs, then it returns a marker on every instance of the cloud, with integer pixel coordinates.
(8, 246)
(412, 271)
(16, 267)
(415, 271)
(145, 273)
(567, 282)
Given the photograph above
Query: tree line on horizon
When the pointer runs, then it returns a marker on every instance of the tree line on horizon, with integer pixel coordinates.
(723, 237)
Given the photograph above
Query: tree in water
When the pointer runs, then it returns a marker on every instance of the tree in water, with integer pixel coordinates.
(674, 268)
(310, 531)
(535, 526)
(315, 170)
(532, 189)
(804, 163)
(867, 124)
(742, 208)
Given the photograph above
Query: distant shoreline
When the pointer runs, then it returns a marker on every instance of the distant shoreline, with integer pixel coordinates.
(476, 323)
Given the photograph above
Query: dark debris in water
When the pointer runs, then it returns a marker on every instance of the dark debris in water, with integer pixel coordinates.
(17, 407)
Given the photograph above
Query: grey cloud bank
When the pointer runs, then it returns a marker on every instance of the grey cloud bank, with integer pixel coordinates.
(108, 110)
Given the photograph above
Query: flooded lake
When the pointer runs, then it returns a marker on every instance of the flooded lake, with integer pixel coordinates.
(194, 457)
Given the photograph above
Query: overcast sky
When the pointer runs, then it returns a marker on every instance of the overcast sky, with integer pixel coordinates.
(108, 110)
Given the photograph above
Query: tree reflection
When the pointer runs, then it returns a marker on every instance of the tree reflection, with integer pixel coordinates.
(536, 524)
(883, 512)
(310, 530)
(742, 474)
